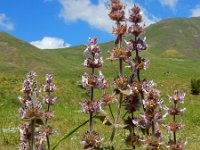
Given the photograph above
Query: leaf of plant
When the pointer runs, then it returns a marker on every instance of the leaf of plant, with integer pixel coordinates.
(104, 120)
(70, 133)
(39, 121)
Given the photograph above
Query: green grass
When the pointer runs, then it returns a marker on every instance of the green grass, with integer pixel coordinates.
(169, 72)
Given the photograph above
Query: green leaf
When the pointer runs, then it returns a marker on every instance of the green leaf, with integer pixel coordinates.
(104, 120)
(39, 121)
(70, 133)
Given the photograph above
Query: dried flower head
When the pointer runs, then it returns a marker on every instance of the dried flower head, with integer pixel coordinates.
(158, 117)
(108, 99)
(91, 106)
(153, 143)
(180, 145)
(135, 15)
(142, 122)
(136, 87)
(135, 65)
(47, 130)
(152, 100)
(89, 81)
(121, 83)
(133, 141)
(173, 126)
(177, 97)
(136, 30)
(174, 111)
(120, 30)
(91, 140)
(132, 103)
(116, 11)
(119, 53)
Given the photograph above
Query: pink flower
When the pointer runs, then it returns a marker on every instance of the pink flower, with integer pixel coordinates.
(92, 41)
(177, 97)
(102, 83)
(91, 106)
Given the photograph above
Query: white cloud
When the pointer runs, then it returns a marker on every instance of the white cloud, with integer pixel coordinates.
(195, 12)
(5, 22)
(95, 15)
(50, 43)
(169, 3)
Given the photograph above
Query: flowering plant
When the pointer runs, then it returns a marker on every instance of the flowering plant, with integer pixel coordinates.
(34, 133)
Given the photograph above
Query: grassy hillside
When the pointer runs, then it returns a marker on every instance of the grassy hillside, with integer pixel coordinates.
(175, 58)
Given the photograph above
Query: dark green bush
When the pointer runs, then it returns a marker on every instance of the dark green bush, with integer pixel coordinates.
(195, 86)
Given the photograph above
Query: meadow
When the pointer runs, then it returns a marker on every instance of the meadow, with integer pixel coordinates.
(173, 63)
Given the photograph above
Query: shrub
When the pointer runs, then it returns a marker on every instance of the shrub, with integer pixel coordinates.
(195, 86)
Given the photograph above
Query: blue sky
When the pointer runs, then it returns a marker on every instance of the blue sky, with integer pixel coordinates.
(63, 23)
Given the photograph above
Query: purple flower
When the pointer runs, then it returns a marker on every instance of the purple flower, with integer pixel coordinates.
(142, 122)
(32, 109)
(102, 83)
(50, 100)
(91, 140)
(177, 97)
(92, 41)
(93, 63)
(174, 111)
(129, 45)
(173, 126)
(48, 115)
(49, 78)
(23, 146)
(25, 132)
(39, 140)
(91, 106)
(141, 45)
(147, 86)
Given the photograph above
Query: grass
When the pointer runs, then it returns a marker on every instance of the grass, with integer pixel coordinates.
(169, 72)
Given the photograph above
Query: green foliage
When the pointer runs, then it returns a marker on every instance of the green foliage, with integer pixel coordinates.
(195, 86)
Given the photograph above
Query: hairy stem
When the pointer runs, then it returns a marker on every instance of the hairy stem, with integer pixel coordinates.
(174, 119)
(32, 134)
(92, 99)
(46, 121)
(120, 96)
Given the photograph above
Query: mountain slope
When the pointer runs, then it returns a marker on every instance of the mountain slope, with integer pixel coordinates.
(169, 38)
(19, 56)
(179, 36)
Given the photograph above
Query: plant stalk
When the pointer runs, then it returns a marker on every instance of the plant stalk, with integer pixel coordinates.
(121, 72)
(174, 119)
(32, 134)
(92, 99)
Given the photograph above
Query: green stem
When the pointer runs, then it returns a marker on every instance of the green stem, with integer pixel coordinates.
(111, 111)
